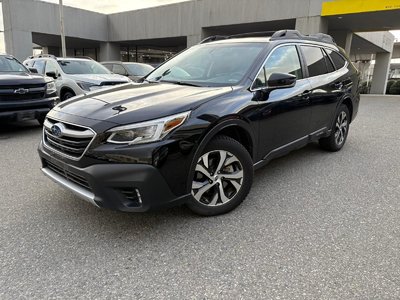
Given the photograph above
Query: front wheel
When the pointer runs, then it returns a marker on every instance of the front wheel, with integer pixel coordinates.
(222, 179)
(339, 132)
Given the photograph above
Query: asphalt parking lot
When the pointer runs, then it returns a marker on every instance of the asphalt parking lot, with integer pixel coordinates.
(316, 225)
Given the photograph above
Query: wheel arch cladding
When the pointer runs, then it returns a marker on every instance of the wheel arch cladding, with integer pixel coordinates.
(349, 104)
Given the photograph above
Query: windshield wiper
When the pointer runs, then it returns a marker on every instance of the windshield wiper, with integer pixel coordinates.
(180, 83)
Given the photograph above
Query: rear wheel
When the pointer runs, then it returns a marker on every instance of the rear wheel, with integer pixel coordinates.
(222, 179)
(339, 132)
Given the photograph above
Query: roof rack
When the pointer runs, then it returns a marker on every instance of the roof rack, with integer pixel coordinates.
(294, 34)
(275, 35)
(239, 35)
(41, 56)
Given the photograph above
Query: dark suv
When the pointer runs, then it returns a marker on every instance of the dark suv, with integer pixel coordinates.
(23, 94)
(200, 124)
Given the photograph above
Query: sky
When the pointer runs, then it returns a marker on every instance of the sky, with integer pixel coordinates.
(113, 6)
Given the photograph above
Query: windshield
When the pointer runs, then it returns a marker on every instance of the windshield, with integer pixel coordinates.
(138, 69)
(82, 67)
(10, 64)
(209, 64)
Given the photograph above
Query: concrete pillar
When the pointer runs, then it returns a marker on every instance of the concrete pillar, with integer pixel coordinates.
(381, 71)
(192, 40)
(109, 51)
(18, 43)
(343, 39)
(311, 25)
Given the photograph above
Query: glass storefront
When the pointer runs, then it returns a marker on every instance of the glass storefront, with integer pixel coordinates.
(148, 55)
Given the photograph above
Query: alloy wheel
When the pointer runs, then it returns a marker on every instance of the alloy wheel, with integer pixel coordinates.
(341, 128)
(218, 178)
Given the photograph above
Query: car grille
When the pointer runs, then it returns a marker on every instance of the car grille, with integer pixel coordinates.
(75, 178)
(24, 92)
(73, 140)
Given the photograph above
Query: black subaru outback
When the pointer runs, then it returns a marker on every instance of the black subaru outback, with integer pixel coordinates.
(200, 124)
(23, 94)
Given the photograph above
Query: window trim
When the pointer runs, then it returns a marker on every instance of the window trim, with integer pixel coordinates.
(265, 60)
(323, 49)
(337, 52)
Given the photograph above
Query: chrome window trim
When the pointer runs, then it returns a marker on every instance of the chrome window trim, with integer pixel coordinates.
(297, 44)
(62, 153)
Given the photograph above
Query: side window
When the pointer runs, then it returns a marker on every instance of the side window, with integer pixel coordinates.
(118, 69)
(39, 66)
(283, 59)
(51, 66)
(328, 62)
(337, 59)
(108, 66)
(315, 60)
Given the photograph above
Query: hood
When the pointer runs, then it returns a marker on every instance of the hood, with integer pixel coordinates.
(20, 78)
(132, 103)
(98, 79)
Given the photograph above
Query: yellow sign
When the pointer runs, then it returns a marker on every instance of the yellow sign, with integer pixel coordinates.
(341, 7)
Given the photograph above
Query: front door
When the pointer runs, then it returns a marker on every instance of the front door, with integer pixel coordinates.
(284, 113)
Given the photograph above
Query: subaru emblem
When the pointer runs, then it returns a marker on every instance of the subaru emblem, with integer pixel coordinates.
(57, 129)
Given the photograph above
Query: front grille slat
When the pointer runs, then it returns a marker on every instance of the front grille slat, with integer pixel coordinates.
(75, 178)
(70, 146)
(32, 91)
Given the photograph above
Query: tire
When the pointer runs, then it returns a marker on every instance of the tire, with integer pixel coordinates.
(67, 95)
(339, 132)
(212, 192)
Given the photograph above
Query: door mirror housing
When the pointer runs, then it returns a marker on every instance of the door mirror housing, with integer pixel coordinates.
(52, 74)
(281, 81)
(33, 70)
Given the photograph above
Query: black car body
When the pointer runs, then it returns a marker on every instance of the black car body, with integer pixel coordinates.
(220, 131)
(24, 95)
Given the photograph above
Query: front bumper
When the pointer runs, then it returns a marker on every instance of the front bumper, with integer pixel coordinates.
(123, 187)
(21, 110)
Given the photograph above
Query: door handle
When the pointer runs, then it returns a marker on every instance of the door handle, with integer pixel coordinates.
(306, 95)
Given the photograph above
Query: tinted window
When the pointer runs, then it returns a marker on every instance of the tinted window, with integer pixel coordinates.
(282, 60)
(337, 59)
(315, 60)
(39, 66)
(118, 69)
(328, 62)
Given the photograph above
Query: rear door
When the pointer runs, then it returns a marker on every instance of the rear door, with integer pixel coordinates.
(284, 113)
(326, 87)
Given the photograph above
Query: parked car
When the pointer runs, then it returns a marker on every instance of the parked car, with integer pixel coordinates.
(74, 76)
(23, 94)
(135, 71)
(203, 122)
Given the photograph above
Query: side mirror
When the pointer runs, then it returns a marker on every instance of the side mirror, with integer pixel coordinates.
(52, 74)
(281, 81)
(33, 70)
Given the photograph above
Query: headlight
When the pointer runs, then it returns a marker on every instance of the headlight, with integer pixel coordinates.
(88, 86)
(146, 132)
(51, 88)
